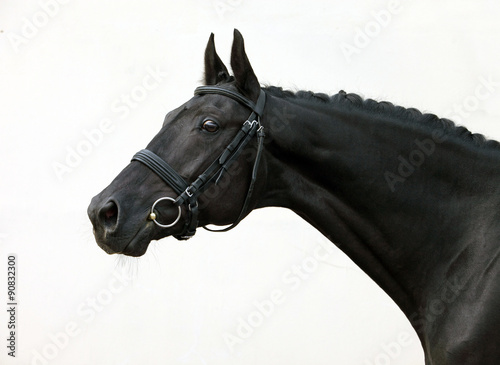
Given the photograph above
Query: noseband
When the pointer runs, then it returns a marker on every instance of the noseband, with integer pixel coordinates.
(188, 193)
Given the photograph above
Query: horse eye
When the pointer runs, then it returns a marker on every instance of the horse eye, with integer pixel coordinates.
(210, 126)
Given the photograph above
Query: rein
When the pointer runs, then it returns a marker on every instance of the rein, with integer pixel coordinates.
(188, 193)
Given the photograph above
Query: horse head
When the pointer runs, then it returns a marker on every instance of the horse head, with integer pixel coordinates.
(196, 171)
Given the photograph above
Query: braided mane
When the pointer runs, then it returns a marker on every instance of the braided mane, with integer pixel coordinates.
(353, 101)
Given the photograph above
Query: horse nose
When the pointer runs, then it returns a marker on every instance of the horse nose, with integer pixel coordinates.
(104, 216)
(108, 215)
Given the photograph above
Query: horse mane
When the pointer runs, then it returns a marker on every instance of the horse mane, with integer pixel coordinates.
(411, 115)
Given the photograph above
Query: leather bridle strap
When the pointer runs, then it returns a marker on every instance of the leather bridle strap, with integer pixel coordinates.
(162, 169)
(257, 108)
(260, 144)
(188, 193)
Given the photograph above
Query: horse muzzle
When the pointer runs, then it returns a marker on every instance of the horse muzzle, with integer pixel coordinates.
(113, 234)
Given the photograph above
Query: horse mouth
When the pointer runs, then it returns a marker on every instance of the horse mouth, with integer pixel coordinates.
(136, 246)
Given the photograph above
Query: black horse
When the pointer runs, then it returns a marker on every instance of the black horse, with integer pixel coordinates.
(411, 198)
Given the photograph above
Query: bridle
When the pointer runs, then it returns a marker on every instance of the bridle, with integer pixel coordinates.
(188, 193)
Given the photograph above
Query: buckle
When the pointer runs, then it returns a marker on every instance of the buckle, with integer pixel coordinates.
(252, 123)
(249, 125)
(193, 206)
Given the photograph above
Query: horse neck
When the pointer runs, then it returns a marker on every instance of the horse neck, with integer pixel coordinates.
(330, 167)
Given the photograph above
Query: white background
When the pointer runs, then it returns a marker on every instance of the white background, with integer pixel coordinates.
(65, 67)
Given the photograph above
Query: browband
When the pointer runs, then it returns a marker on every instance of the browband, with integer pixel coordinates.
(257, 108)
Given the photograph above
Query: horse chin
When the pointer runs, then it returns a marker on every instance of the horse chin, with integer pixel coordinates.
(138, 245)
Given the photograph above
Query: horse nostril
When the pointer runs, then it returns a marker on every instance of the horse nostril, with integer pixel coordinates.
(109, 213)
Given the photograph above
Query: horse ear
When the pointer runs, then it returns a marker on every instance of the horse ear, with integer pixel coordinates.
(246, 81)
(215, 70)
